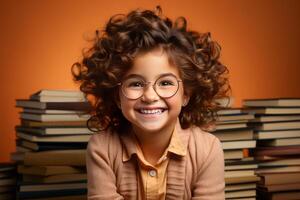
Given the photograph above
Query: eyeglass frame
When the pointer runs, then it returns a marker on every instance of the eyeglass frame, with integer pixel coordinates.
(146, 83)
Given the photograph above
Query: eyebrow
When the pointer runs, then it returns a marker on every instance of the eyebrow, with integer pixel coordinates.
(140, 76)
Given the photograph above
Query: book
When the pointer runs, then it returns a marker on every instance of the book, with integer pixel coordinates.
(60, 93)
(280, 142)
(65, 197)
(241, 167)
(273, 111)
(243, 161)
(275, 118)
(52, 138)
(29, 123)
(263, 135)
(288, 195)
(229, 111)
(55, 130)
(25, 103)
(272, 102)
(284, 169)
(56, 157)
(43, 111)
(280, 187)
(268, 126)
(54, 117)
(280, 162)
(8, 181)
(48, 170)
(58, 99)
(242, 179)
(233, 154)
(52, 193)
(59, 178)
(239, 173)
(276, 151)
(279, 178)
(58, 96)
(45, 146)
(234, 134)
(239, 144)
(230, 126)
(242, 186)
(47, 187)
(242, 116)
(240, 194)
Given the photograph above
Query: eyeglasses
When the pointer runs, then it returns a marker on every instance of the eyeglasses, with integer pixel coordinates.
(165, 86)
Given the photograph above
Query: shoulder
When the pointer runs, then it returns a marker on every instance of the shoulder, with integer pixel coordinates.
(203, 145)
(104, 142)
(203, 139)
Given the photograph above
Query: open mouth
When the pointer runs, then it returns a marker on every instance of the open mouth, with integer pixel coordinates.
(151, 111)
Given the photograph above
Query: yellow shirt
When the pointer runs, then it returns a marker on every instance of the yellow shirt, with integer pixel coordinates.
(152, 179)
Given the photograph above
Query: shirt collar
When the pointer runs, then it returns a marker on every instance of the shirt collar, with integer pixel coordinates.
(177, 146)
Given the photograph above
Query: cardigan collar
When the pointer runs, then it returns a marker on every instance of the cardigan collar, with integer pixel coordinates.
(177, 145)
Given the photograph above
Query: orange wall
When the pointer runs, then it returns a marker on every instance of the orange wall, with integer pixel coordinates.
(40, 40)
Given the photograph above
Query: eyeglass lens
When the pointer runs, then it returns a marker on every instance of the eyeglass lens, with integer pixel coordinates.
(165, 86)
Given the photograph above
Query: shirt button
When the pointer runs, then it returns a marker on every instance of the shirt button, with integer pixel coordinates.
(152, 173)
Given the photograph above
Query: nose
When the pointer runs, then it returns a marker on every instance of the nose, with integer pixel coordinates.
(150, 94)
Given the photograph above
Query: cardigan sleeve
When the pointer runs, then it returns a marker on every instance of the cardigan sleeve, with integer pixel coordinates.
(101, 177)
(210, 182)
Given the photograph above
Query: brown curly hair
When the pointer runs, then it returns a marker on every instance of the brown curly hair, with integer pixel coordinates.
(114, 49)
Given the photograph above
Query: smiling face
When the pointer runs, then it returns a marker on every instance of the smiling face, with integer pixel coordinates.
(150, 112)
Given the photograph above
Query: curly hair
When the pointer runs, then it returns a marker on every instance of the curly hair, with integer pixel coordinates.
(124, 36)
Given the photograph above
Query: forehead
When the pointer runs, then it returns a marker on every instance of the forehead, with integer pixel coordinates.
(152, 64)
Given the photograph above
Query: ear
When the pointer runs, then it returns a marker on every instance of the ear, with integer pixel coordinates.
(186, 100)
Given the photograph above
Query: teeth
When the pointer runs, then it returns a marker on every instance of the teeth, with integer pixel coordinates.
(153, 111)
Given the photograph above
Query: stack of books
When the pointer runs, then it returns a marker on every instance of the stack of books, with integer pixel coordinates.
(277, 130)
(7, 181)
(237, 138)
(51, 144)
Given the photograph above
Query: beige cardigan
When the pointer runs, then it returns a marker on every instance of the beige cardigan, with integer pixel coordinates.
(198, 176)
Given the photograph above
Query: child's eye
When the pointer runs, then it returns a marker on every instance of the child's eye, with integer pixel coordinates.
(166, 83)
(135, 84)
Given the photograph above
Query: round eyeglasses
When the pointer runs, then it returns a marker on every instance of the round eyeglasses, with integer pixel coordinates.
(165, 86)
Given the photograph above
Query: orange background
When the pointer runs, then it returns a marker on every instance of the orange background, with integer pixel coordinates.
(41, 39)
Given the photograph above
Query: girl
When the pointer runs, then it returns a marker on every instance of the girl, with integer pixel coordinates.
(154, 83)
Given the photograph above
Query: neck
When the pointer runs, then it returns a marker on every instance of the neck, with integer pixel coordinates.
(153, 144)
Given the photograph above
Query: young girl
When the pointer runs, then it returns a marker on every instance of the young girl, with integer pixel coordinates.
(154, 83)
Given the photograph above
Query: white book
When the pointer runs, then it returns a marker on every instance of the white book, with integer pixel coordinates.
(54, 117)
(44, 111)
(263, 135)
(272, 102)
(241, 193)
(230, 126)
(62, 93)
(239, 173)
(64, 138)
(55, 130)
(241, 167)
(58, 99)
(239, 144)
(278, 125)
